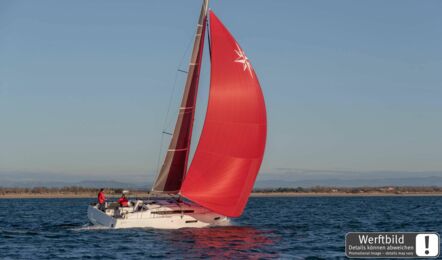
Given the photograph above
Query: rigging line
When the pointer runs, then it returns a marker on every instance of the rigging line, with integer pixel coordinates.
(168, 109)
(208, 38)
(197, 116)
(175, 83)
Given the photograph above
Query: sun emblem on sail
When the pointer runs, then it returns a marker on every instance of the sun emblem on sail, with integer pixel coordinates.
(242, 58)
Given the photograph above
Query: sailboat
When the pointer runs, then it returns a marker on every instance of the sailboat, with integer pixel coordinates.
(217, 184)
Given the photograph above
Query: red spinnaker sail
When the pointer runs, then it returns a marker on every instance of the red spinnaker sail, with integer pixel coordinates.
(231, 146)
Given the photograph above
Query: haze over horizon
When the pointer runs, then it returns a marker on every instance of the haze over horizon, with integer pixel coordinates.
(353, 89)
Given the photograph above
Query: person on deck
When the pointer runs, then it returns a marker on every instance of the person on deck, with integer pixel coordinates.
(101, 200)
(124, 202)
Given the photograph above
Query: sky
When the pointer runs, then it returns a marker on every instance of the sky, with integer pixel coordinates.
(350, 86)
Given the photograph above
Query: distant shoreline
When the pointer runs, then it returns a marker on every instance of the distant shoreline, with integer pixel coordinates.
(52, 195)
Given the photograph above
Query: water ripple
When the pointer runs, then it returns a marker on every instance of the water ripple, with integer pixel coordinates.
(271, 228)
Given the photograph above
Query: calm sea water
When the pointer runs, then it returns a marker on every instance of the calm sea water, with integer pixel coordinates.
(283, 227)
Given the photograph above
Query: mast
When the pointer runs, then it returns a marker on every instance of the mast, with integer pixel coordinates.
(174, 168)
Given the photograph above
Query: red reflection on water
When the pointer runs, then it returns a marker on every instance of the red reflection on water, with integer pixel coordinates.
(226, 242)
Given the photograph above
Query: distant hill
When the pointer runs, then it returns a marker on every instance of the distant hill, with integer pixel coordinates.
(289, 178)
(113, 184)
(85, 184)
(336, 182)
(57, 180)
(269, 183)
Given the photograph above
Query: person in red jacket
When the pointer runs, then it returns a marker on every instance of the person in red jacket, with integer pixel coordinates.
(124, 202)
(101, 200)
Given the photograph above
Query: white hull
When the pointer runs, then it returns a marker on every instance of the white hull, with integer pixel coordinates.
(160, 214)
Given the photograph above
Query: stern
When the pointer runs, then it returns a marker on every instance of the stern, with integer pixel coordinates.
(98, 217)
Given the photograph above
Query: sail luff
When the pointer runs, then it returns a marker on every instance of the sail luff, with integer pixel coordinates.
(174, 168)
